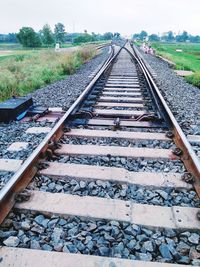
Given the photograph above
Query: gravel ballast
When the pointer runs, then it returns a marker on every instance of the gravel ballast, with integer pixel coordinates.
(182, 97)
(139, 164)
(118, 142)
(90, 236)
(112, 190)
(101, 237)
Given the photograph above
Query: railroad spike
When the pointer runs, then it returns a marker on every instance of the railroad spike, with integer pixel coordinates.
(23, 196)
(198, 215)
(49, 153)
(188, 178)
(170, 134)
(66, 129)
(53, 145)
(116, 125)
(177, 151)
(42, 165)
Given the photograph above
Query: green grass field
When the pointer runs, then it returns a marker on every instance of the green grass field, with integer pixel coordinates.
(27, 70)
(10, 50)
(10, 46)
(188, 59)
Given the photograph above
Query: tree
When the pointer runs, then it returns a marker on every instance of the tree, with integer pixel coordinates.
(143, 35)
(182, 37)
(28, 37)
(154, 38)
(47, 35)
(12, 38)
(194, 39)
(135, 36)
(116, 35)
(9, 38)
(108, 36)
(84, 38)
(170, 36)
(59, 32)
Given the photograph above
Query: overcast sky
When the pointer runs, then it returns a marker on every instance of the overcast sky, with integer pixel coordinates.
(124, 16)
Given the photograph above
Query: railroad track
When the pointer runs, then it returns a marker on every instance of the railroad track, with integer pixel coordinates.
(112, 184)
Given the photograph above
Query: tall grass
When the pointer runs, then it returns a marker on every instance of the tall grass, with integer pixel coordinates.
(22, 74)
(194, 79)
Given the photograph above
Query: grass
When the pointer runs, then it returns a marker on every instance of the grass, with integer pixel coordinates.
(10, 50)
(188, 59)
(194, 79)
(23, 73)
(10, 46)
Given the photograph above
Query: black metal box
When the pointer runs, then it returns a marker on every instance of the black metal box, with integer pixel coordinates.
(12, 108)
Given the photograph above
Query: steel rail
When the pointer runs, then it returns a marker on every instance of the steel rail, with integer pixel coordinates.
(29, 168)
(159, 111)
(189, 157)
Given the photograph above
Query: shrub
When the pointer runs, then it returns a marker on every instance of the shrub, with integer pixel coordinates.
(194, 79)
(8, 84)
(19, 57)
(86, 53)
(24, 74)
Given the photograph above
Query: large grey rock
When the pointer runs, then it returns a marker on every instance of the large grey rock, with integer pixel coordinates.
(128, 230)
(12, 241)
(73, 231)
(148, 246)
(82, 184)
(37, 229)
(7, 234)
(144, 256)
(72, 248)
(170, 233)
(92, 226)
(142, 238)
(147, 232)
(163, 194)
(52, 222)
(25, 225)
(119, 248)
(104, 251)
(56, 235)
(131, 244)
(58, 246)
(196, 262)
(62, 222)
(47, 247)
(194, 238)
(183, 248)
(90, 245)
(184, 260)
(194, 254)
(165, 252)
(109, 237)
(80, 246)
(34, 244)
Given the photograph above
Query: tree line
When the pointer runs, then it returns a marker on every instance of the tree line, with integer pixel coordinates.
(28, 37)
(167, 37)
(45, 37)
